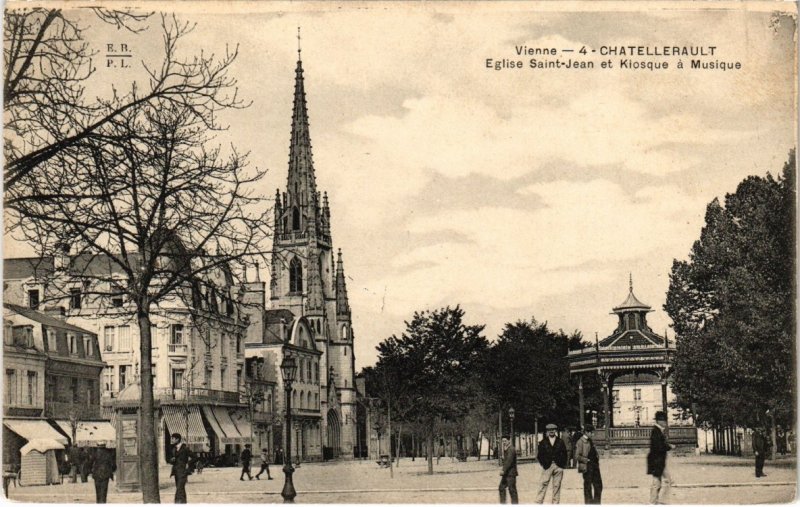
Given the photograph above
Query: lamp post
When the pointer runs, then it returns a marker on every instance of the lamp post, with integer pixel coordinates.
(288, 371)
(511, 419)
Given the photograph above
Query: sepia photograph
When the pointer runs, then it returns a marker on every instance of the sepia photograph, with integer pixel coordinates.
(399, 252)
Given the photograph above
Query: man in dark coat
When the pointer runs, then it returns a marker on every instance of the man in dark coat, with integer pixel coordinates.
(103, 467)
(246, 457)
(182, 458)
(589, 466)
(509, 473)
(657, 461)
(85, 460)
(760, 450)
(74, 457)
(552, 455)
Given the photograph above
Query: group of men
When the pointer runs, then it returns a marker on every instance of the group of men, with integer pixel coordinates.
(553, 457)
(100, 463)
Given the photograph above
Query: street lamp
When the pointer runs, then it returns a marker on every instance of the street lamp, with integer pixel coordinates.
(511, 418)
(288, 371)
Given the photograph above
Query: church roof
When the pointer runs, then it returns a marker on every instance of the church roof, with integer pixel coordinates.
(272, 325)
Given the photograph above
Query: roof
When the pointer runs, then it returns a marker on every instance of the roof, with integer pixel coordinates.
(631, 304)
(27, 267)
(633, 337)
(45, 319)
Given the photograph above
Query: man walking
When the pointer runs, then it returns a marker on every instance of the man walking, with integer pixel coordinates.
(264, 464)
(760, 450)
(589, 466)
(509, 473)
(246, 457)
(103, 467)
(657, 461)
(553, 458)
(182, 457)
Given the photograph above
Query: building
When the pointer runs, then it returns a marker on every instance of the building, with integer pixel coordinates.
(198, 343)
(309, 315)
(52, 391)
(634, 365)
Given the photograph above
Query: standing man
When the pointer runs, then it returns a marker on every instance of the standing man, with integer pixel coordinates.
(657, 461)
(85, 460)
(589, 466)
(247, 456)
(553, 458)
(509, 473)
(760, 450)
(103, 468)
(264, 464)
(182, 457)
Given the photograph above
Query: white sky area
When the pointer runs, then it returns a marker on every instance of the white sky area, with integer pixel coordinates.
(516, 194)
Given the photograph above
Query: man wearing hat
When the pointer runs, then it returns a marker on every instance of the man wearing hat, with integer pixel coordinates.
(103, 468)
(657, 461)
(509, 473)
(552, 456)
(589, 466)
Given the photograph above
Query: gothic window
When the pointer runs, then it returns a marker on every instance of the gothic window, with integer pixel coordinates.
(285, 224)
(295, 219)
(295, 276)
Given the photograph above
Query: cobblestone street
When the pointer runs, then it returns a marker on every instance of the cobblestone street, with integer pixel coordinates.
(699, 480)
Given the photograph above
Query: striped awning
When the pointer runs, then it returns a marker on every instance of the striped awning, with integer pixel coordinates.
(215, 427)
(178, 417)
(242, 421)
(232, 434)
(91, 433)
(31, 429)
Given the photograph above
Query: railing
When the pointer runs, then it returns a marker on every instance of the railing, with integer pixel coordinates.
(593, 349)
(178, 349)
(63, 410)
(262, 416)
(293, 235)
(195, 394)
(636, 437)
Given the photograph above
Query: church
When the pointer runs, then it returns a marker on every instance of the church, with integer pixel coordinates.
(308, 316)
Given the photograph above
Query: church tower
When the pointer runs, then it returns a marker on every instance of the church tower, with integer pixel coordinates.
(307, 280)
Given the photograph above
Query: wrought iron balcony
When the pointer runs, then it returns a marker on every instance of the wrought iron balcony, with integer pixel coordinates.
(195, 394)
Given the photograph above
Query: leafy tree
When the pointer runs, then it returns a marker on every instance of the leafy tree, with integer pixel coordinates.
(430, 365)
(732, 305)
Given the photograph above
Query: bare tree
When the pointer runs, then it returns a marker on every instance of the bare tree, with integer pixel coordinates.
(152, 213)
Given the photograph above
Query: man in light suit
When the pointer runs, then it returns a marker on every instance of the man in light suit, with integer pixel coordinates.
(552, 455)
(509, 473)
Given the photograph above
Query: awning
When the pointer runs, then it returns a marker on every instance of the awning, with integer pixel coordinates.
(31, 429)
(225, 422)
(178, 417)
(40, 445)
(91, 433)
(242, 421)
(212, 421)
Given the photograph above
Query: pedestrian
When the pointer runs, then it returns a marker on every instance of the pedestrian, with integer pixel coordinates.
(589, 466)
(103, 468)
(85, 463)
(264, 464)
(657, 461)
(278, 456)
(509, 473)
(440, 454)
(245, 458)
(74, 462)
(553, 458)
(182, 460)
(760, 450)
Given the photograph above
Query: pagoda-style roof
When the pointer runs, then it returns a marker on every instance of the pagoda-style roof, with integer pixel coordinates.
(631, 304)
(633, 337)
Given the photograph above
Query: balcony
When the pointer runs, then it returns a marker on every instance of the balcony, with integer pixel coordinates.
(262, 417)
(63, 410)
(195, 394)
(177, 349)
(295, 235)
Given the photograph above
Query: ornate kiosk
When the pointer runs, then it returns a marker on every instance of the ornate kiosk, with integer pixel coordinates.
(633, 361)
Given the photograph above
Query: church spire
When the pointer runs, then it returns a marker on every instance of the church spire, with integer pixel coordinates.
(342, 304)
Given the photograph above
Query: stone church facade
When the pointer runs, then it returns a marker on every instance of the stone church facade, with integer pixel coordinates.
(309, 314)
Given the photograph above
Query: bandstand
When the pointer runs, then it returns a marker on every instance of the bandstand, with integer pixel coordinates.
(633, 355)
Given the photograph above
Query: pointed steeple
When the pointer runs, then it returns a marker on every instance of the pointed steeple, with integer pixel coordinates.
(342, 304)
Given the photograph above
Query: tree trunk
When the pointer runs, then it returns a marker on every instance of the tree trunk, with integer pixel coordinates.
(391, 458)
(430, 451)
(148, 444)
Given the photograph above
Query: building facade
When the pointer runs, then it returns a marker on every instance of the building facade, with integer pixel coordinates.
(309, 316)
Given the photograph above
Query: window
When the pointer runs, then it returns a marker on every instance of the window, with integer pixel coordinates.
(123, 376)
(75, 392)
(153, 375)
(124, 337)
(302, 370)
(87, 346)
(117, 302)
(177, 379)
(11, 387)
(177, 334)
(223, 345)
(73, 344)
(75, 299)
(637, 395)
(222, 373)
(23, 336)
(33, 388)
(108, 338)
(295, 219)
(238, 344)
(345, 351)
(108, 379)
(207, 379)
(308, 371)
(50, 386)
(295, 276)
(52, 346)
(33, 299)
(316, 373)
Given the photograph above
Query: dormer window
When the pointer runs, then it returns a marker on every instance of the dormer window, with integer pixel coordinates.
(33, 299)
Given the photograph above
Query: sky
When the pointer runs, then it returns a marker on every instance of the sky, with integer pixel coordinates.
(517, 194)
